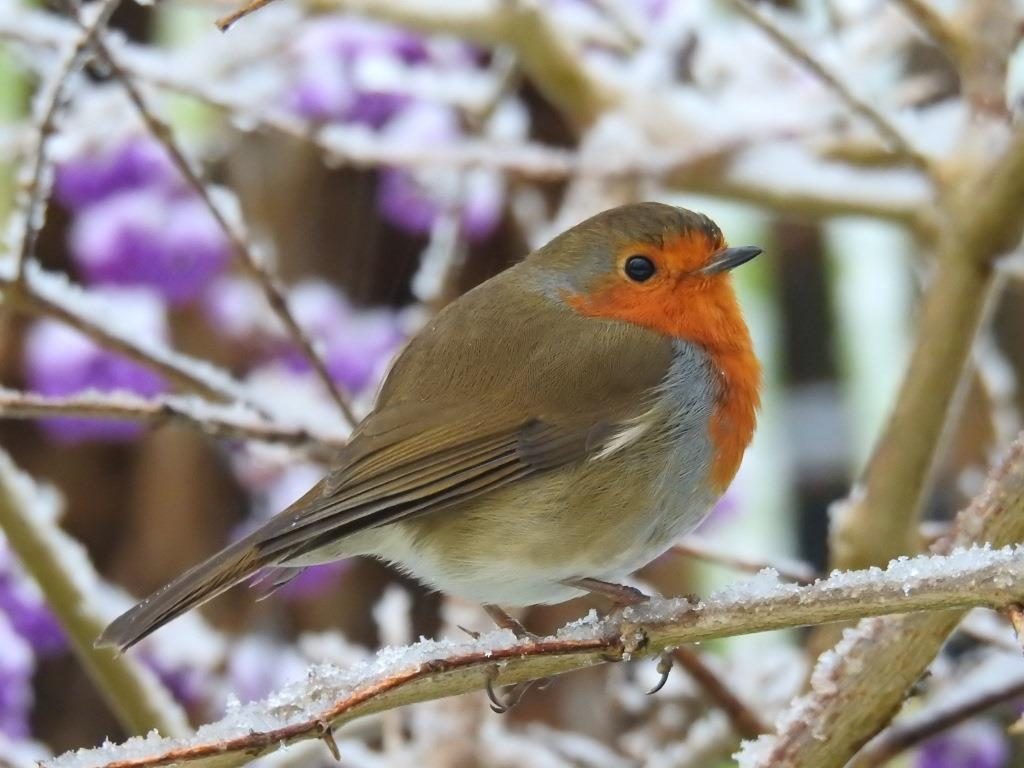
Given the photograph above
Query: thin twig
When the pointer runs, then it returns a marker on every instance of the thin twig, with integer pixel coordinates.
(857, 105)
(228, 422)
(700, 548)
(431, 670)
(934, 720)
(936, 26)
(745, 722)
(224, 22)
(268, 281)
(32, 213)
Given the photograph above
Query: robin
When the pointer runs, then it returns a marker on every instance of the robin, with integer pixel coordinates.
(545, 435)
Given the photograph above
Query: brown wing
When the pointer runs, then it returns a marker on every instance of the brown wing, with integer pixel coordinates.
(425, 472)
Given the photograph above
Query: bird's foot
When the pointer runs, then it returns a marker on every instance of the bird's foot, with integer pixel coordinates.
(502, 704)
(665, 664)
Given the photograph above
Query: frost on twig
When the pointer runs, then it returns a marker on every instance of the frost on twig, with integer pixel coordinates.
(28, 520)
(428, 670)
(225, 421)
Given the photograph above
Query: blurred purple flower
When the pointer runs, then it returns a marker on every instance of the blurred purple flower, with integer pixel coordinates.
(147, 237)
(16, 667)
(413, 201)
(189, 686)
(26, 610)
(91, 177)
(347, 68)
(975, 744)
(357, 349)
(61, 361)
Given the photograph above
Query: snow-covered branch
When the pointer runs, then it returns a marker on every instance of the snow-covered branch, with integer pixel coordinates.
(29, 520)
(429, 670)
(223, 421)
(858, 686)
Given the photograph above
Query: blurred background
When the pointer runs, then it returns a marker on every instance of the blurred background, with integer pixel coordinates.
(383, 158)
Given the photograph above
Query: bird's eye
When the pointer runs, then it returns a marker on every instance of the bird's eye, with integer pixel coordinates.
(639, 268)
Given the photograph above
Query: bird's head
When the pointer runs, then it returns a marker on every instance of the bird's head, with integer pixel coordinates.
(653, 265)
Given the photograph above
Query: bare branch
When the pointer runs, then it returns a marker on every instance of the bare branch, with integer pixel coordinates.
(61, 569)
(429, 670)
(937, 27)
(224, 22)
(228, 422)
(254, 267)
(880, 521)
(857, 105)
(700, 548)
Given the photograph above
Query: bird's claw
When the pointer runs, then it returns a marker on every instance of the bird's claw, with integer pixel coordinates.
(515, 694)
(665, 662)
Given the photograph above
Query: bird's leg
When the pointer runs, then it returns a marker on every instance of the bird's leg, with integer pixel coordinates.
(619, 594)
(503, 620)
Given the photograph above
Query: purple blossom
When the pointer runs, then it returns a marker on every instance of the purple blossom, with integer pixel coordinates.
(26, 610)
(60, 361)
(348, 67)
(360, 348)
(188, 685)
(975, 744)
(91, 177)
(413, 201)
(147, 237)
(16, 667)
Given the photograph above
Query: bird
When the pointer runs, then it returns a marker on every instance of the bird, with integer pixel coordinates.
(542, 437)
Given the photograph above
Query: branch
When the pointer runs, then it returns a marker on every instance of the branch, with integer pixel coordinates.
(254, 267)
(428, 670)
(698, 547)
(744, 720)
(62, 570)
(858, 686)
(935, 26)
(982, 211)
(52, 295)
(748, 173)
(551, 63)
(37, 173)
(228, 422)
(857, 105)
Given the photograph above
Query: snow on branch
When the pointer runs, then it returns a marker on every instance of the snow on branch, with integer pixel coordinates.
(329, 696)
(223, 421)
(231, 224)
(857, 685)
(53, 295)
(60, 566)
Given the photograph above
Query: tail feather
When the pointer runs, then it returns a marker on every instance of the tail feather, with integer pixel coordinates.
(193, 588)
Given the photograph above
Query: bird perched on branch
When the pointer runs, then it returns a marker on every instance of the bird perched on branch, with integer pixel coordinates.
(545, 435)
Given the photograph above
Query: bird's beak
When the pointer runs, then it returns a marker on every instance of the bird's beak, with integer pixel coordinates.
(729, 258)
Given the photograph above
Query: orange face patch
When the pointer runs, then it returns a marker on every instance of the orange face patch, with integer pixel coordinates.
(677, 302)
